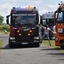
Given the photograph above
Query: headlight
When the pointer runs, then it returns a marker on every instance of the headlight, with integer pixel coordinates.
(20, 34)
(30, 31)
(28, 34)
(12, 38)
(60, 30)
(18, 31)
(36, 37)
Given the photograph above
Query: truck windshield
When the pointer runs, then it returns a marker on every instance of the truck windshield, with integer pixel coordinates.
(48, 21)
(60, 17)
(24, 19)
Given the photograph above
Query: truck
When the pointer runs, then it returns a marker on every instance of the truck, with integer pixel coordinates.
(24, 28)
(59, 27)
(48, 19)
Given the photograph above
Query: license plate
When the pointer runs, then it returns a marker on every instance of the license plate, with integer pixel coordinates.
(24, 43)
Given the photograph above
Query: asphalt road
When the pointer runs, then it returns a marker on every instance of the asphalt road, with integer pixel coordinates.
(29, 55)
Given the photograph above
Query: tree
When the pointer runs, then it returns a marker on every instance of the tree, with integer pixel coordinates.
(1, 19)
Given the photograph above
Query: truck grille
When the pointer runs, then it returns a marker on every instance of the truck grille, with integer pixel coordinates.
(24, 39)
(25, 33)
(62, 34)
(62, 41)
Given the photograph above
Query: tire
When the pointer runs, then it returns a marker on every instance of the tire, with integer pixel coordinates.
(11, 44)
(40, 41)
(62, 47)
(37, 45)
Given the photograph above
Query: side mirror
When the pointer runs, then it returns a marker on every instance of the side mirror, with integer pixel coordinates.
(40, 19)
(7, 19)
(55, 16)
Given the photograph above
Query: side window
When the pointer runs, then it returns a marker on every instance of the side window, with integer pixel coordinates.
(59, 16)
(44, 22)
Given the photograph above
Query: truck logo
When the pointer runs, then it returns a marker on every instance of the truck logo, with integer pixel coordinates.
(26, 29)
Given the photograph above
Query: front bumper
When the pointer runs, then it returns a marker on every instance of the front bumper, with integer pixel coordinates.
(59, 42)
(24, 40)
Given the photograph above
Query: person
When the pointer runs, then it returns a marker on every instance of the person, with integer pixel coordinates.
(46, 33)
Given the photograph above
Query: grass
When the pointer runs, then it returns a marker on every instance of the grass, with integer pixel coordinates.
(4, 27)
(52, 43)
(2, 32)
(1, 43)
(45, 42)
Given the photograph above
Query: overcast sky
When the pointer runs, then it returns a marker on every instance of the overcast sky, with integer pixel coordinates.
(42, 5)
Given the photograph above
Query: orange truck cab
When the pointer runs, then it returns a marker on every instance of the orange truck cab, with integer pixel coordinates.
(59, 19)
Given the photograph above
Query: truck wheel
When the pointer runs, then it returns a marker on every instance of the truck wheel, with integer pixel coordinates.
(62, 47)
(38, 45)
(11, 45)
(40, 41)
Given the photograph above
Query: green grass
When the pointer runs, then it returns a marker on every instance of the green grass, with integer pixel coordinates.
(52, 43)
(45, 42)
(2, 32)
(4, 27)
(1, 43)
